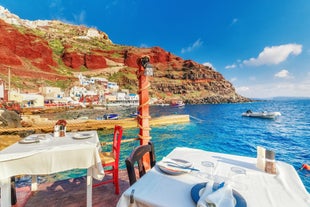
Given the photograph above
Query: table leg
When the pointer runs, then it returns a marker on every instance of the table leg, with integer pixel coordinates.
(34, 183)
(6, 192)
(13, 191)
(89, 186)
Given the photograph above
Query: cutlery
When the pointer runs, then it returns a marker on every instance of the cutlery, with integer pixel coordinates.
(174, 163)
(182, 167)
(132, 200)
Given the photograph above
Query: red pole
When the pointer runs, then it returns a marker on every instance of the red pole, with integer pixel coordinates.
(144, 113)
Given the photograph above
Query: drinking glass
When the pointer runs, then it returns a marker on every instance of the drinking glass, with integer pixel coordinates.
(234, 177)
(210, 168)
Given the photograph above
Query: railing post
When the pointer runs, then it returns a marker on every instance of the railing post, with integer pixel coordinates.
(144, 71)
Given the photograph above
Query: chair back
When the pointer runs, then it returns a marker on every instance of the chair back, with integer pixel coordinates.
(136, 156)
(110, 160)
(118, 133)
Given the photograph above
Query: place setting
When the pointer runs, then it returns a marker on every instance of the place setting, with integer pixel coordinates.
(218, 191)
(82, 135)
(173, 166)
(213, 194)
(36, 138)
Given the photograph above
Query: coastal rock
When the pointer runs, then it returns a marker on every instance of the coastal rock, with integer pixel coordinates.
(75, 60)
(53, 51)
(10, 119)
(19, 46)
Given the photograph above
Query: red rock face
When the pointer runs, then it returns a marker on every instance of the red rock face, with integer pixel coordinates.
(91, 61)
(95, 61)
(73, 60)
(15, 45)
(7, 57)
(159, 57)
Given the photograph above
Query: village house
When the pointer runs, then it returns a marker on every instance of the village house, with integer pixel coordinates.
(26, 99)
(95, 90)
(51, 92)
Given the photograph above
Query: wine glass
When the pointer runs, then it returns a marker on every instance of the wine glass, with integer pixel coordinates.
(210, 168)
(234, 174)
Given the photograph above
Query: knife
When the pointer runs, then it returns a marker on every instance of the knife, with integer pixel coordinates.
(182, 167)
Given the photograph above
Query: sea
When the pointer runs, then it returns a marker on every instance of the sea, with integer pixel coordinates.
(221, 128)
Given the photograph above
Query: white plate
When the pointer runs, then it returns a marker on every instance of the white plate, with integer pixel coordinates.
(82, 135)
(174, 166)
(29, 140)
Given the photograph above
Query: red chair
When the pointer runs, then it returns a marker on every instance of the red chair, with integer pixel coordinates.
(110, 160)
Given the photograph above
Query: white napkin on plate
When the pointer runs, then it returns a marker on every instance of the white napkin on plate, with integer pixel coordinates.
(173, 167)
(222, 197)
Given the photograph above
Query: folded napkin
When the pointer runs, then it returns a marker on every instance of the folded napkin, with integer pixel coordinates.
(222, 197)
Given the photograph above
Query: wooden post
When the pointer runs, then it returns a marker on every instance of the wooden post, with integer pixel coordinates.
(144, 113)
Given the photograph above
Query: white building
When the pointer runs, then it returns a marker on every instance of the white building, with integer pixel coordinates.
(113, 86)
(92, 32)
(27, 99)
(51, 92)
(2, 87)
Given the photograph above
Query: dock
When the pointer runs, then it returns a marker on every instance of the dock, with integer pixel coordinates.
(37, 125)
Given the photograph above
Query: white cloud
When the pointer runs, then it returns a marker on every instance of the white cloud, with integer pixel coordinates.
(80, 18)
(195, 45)
(242, 89)
(142, 45)
(283, 74)
(274, 55)
(110, 4)
(233, 79)
(234, 21)
(268, 90)
(231, 66)
(252, 78)
(55, 3)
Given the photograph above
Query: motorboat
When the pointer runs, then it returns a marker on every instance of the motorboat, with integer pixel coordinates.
(134, 114)
(109, 116)
(177, 104)
(263, 114)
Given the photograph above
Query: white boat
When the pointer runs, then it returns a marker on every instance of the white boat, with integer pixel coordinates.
(264, 114)
(108, 116)
(111, 116)
(177, 104)
(134, 114)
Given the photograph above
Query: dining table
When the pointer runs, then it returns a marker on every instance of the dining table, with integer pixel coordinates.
(43, 154)
(165, 186)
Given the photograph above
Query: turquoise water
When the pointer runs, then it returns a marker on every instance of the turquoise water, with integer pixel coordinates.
(221, 128)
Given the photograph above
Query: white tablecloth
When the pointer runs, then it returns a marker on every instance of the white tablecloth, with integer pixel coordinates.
(258, 188)
(51, 156)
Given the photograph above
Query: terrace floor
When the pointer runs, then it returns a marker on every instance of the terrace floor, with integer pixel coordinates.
(71, 193)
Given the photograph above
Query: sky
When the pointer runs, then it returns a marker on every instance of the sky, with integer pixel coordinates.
(262, 47)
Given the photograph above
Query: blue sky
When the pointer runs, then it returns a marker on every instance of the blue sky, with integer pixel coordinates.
(261, 47)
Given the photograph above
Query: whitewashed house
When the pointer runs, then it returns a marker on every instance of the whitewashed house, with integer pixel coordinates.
(51, 92)
(27, 99)
(112, 86)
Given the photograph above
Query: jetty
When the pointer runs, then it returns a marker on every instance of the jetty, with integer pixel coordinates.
(36, 124)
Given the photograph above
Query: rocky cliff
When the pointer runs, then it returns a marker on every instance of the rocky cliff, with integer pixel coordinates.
(53, 53)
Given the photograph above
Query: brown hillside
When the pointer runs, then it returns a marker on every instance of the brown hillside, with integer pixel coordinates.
(52, 53)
